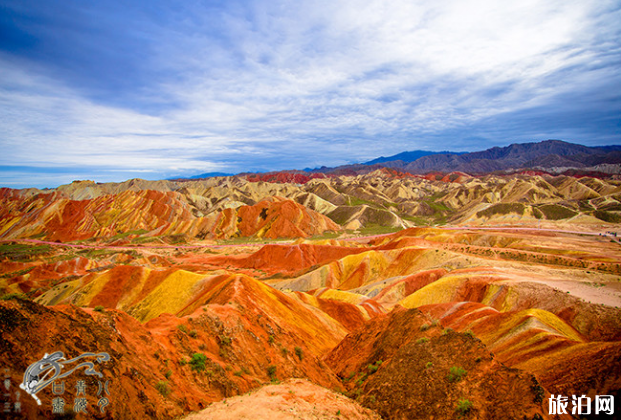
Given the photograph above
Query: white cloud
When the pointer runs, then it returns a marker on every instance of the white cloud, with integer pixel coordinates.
(285, 72)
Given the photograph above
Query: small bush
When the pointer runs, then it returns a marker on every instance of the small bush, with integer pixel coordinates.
(299, 353)
(425, 327)
(99, 308)
(183, 361)
(469, 333)
(271, 372)
(456, 374)
(182, 328)
(374, 367)
(238, 373)
(193, 334)
(162, 387)
(428, 365)
(198, 362)
(225, 340)
(168, 374)
(447, 331)
(270, 339)
(463, 407)
(422, 340)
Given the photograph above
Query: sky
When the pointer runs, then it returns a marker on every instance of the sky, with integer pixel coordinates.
(112, 90)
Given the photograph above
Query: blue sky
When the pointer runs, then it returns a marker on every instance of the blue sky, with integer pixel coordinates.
(110, 90)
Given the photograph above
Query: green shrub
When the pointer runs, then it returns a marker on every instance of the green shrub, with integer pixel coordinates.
(168, 374)
(422, 340)
(428, 365)
(193, 334)
(299, 353)
(456, 374)
(183, 361)
(182, 328)
(425, 327)
(99, 308)
(198, 362)
(463, 407)
(270, 339)
(374, 367)
(162, 387)
(469, 333)
(271, 372)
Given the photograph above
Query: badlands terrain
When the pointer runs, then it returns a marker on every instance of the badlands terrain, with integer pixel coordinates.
(317, 295)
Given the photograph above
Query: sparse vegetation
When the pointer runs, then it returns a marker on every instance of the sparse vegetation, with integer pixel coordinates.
(502, 209)
(537, 390)
(463, 407)
(422, 340)
(374, 366)
(299, 353)
(23, 252)
(99, 308)
(429, 365)
(425, 327)
(556, 212)
(162, 388)
(14, 296)
(198, 362)
(271, 372)
(456, 374)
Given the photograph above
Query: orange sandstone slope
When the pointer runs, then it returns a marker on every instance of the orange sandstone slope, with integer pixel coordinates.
(404, 366)
(539, 342)
(272, 218)
(285, 259)
(147, 294)
(53, 217)
(248, 333)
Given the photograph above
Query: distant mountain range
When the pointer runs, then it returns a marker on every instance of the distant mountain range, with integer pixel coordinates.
(555, 156)
(544, 155)
(408, 156)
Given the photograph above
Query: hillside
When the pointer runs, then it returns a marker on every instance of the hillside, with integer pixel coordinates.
(378, 295)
